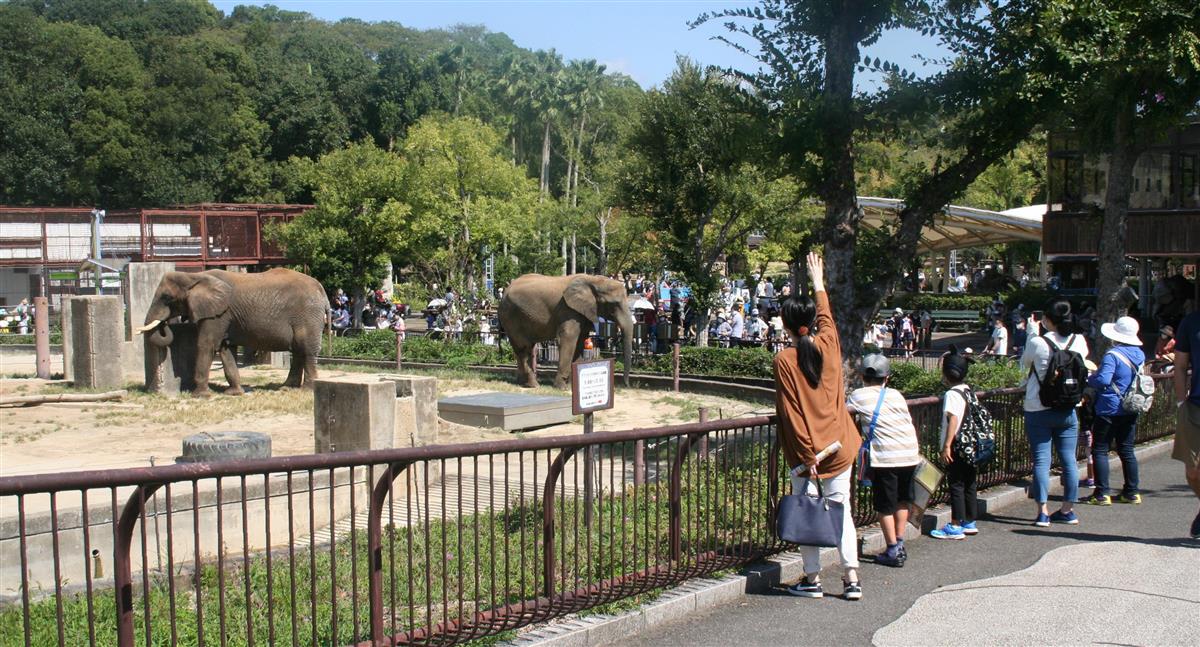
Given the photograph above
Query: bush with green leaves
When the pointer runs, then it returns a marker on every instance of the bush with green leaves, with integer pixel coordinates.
(717, 362)
(933, 302)
(915, 381)
(455, 353)
(17, 339)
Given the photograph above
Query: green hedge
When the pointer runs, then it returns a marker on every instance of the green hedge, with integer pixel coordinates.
(948, 302)
(13, 339)
(915, 381)
(717, 362)
(381, 345)
(710, 362)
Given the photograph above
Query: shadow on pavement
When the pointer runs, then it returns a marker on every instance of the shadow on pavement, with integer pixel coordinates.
(1173, 542)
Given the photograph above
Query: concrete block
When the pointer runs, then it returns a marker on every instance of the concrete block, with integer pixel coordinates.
(720, 592)
(280, 359)
(68, 345)
(354, 413)
(669, 610)
(97, 332)
(416, 409)
(142, 281)
(508, 411)
(617, 628)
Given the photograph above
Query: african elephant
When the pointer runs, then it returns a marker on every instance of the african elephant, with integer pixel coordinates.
(538, 308)
(275, 310)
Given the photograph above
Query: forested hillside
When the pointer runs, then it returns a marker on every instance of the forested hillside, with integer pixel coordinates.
(123, 103)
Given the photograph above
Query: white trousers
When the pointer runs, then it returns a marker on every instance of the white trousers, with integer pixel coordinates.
(836, 488)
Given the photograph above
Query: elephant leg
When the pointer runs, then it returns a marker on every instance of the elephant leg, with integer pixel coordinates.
(525, 374)
(296, 372)
(204, 358)
(229, 364)
(571, 335)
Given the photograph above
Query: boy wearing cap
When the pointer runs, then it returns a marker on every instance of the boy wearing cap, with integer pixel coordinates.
(884, 420)
(1118, 369)
(960, 476)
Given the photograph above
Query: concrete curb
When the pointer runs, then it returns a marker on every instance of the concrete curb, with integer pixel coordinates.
(700, 594)
(703, 594)
(1003, 496)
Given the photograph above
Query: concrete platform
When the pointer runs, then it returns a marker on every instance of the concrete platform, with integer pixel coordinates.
(508, 411)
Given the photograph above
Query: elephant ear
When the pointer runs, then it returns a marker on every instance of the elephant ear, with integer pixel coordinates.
(581, 298)
(208, 297)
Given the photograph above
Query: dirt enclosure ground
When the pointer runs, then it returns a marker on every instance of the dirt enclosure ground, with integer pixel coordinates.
(147, 428)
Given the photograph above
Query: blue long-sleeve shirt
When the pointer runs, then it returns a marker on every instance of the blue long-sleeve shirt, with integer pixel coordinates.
(1114, 372)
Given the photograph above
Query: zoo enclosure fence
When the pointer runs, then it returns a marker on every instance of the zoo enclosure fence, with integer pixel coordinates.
(432, 545)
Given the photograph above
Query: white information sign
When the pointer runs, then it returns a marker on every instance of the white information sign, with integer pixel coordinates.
(592, 386)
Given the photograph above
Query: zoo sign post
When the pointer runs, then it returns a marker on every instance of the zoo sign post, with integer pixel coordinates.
(591, 391)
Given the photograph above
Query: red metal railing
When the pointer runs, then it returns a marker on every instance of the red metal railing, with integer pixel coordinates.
(428, 545)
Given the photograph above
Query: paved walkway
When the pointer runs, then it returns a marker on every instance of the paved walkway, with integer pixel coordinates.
(1125, 575)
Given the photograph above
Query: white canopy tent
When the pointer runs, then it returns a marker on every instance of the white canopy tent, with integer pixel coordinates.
(958, 227)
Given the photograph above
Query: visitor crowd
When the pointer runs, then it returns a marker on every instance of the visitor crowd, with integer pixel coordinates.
(824, 432)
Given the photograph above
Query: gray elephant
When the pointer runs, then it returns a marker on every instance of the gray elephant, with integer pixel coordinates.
(275, 310)
(538, 308)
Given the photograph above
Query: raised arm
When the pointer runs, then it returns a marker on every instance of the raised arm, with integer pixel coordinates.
(825, 327)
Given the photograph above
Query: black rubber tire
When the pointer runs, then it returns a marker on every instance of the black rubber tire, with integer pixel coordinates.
(212, 447)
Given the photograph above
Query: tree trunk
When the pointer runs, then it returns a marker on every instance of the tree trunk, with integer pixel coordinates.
(574, 252)
(545, 176)
(839, 190)
(602, 255)
(360, 304)
(564, 255)
(1121, 160)
(702, 320)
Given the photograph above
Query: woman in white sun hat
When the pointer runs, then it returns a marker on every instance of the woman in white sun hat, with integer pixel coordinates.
(1114, 424)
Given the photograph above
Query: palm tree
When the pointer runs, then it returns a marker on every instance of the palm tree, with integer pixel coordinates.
(583, 91)
(546, 101)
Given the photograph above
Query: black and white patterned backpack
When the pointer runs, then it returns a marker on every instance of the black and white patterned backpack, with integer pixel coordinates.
(975, 442)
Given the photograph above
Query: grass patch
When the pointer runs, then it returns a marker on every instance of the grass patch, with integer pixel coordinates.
(687, 409)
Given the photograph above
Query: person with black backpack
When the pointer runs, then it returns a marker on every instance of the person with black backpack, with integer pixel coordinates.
(1056, 374)
(968, 441)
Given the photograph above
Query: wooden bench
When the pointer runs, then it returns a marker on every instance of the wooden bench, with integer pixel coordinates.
(961, 320)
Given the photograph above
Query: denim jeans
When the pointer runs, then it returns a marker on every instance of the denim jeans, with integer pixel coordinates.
(1120, 430)
(1062, 429)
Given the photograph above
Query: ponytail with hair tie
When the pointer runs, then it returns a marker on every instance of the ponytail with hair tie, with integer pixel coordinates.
(798, 315)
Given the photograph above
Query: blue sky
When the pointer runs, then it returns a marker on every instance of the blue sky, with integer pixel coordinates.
(639, 38)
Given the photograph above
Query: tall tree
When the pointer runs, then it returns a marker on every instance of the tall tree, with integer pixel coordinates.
(467, 198)
(1140, 65)
(358, 222)
(697, 171)
(997, 88)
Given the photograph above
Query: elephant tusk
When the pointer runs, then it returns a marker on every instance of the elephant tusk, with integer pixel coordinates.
(150, 326)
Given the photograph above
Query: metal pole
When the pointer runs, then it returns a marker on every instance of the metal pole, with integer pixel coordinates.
(589, 456)
(399, 350)
(41, 334)
(97, 218)
(639, 462)
(675, 366)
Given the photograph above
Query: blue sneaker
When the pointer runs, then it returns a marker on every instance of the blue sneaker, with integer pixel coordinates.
(1042, 521)
(969, 528)
(948, 531)
(886, 558)
(1069, 518)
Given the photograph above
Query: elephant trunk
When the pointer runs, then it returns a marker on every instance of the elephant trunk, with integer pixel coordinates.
(625, 321)
(161, 336)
